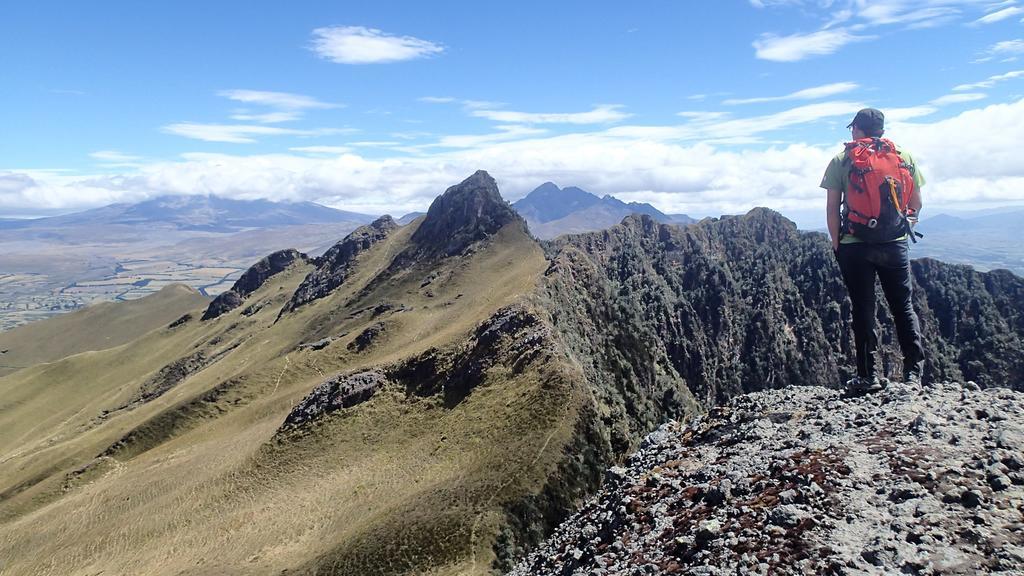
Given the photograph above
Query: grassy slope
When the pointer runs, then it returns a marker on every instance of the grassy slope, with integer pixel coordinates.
(97, 327)
(202, 486)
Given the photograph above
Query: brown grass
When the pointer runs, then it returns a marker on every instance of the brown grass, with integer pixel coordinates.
(395, 485)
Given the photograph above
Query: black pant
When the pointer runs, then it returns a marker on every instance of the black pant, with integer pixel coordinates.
(890, 261)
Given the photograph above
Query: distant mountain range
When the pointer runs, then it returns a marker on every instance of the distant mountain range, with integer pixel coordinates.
(552, 211)
(1011, 218)
(987, 242)
(126, 251)
(199, 213)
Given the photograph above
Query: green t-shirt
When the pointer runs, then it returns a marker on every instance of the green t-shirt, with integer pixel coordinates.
(837, 177)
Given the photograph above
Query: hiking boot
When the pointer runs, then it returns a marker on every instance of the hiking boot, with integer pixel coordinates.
(865, 385)
(912, 377)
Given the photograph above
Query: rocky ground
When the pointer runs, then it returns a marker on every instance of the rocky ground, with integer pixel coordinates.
(804, 480)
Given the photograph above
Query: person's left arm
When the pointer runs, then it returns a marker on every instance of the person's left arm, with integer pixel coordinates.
(915, 202)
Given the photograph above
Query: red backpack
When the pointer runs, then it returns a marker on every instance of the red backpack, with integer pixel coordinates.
(881, 186)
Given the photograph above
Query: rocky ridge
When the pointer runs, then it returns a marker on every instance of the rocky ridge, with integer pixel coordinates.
(663, 320)
(806, 480)
(251, 280)
(513, 337)
(335, 265)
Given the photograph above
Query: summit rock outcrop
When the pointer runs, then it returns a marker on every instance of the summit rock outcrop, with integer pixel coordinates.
(466, 213)
(804, 480)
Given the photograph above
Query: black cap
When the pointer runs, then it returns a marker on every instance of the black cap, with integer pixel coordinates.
(869, 120)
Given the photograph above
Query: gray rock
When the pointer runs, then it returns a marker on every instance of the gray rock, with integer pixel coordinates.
(788, 515)
(708, 530)
(335, 393)
(971, 498)
(884, 496)
(999, 482)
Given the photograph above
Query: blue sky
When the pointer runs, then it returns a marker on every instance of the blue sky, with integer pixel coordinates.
(696, 107)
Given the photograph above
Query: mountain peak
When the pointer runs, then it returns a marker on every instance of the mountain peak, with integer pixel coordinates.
(639, 221)
(546, 188)
(467, 212)
(548, 202)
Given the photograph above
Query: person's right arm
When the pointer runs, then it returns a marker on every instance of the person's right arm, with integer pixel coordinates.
(832, 182)
(835, 197)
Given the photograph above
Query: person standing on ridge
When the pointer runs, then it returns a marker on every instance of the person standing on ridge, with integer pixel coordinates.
(874, 198)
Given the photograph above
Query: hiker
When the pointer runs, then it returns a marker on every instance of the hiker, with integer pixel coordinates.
(874, 198)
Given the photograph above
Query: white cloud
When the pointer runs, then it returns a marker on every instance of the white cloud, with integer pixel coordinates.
(989, 170)
(374, 143)
(860, 16)
(1007, 50)
(799, 46)
(505, 133)
(673, 166)
(114, 156)
(717, 127)
(480, 104)
(780, 120)
(283, 100)
(805, 94)
(837, 18)
(990, 82)
(15, 182)
(957, 98)
(599, 115)
(913, 14)
(994, 150)
(1000, 15)
(268, 117)
(361, 45)
(286, 106)
(771, 3)
(241, 133)
(321, 149)
(700, 116)
(437, 99)
(908, 113)
(1008, 47)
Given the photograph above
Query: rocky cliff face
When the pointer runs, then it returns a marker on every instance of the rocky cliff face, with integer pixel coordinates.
(805, 481)
(338, 262)
(745, 303)
(251, 280)
(466, 213)
(974, 326)
(666, 321)
(666, 318)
